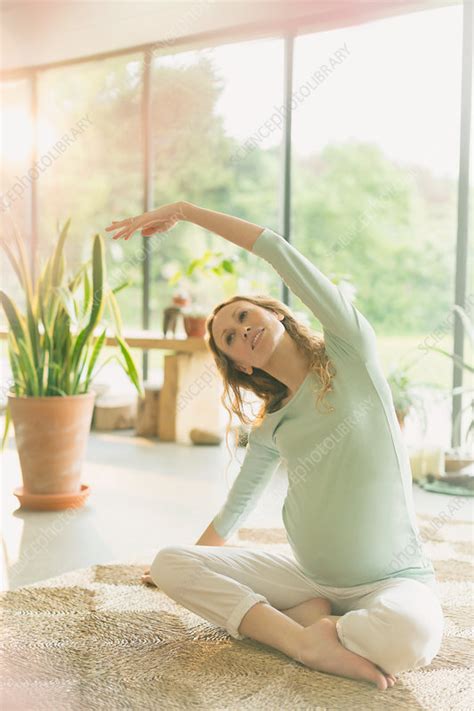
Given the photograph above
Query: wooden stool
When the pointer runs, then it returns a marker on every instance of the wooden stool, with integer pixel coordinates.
(148, 411)
(115, 412)
(190, 397)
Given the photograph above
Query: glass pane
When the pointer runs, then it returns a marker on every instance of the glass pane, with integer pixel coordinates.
(211, 148)
(376, 154)
(15, 178)
(90, 140)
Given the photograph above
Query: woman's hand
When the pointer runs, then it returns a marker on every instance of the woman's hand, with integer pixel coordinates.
(150, 223)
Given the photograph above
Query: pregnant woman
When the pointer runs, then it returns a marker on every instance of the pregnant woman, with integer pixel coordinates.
(358, 597)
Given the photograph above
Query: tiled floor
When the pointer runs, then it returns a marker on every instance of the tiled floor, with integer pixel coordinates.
(145, 494)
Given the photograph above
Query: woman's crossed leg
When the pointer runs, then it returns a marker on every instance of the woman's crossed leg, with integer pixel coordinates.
(224, 587)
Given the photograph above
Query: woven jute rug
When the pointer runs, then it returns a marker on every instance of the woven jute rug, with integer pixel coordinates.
(98, 639)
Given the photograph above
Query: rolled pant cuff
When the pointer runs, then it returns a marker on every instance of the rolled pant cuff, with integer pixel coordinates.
(339, 631)
(239, 611)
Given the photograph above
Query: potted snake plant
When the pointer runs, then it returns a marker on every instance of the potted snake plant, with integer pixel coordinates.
(53, 350)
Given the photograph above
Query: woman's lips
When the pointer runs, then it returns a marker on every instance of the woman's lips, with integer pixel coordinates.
(257, 338)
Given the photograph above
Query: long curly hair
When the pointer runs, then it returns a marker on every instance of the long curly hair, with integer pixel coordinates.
(267, 388)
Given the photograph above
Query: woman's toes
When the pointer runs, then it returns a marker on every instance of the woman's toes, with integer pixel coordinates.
(147, 580)
(391, 679)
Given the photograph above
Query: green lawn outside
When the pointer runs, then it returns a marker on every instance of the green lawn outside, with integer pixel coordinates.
(429, 367)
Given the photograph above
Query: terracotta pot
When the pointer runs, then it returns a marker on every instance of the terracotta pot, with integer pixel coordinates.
(195, 326)
(451, 464)
(51, 437)
(180, 301)
(52, 502)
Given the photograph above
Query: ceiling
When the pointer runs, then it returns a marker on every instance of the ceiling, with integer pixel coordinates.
(45, 33)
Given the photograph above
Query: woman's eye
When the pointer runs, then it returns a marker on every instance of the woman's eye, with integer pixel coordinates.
(228, 340)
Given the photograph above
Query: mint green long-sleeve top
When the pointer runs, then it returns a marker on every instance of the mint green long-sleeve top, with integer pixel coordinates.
(348, 512)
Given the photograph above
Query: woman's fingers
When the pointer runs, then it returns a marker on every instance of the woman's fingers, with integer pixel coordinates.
(129, 229)
(120, 231)
(120, 234)
(115, 224)
(147, 580)
(126, 228)
(148, 223)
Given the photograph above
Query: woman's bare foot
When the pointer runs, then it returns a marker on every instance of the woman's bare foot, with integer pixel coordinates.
(322, 650)
(306, 613)
(391, 679)
(146, 577)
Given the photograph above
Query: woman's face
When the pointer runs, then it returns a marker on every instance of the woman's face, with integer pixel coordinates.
(248, 334)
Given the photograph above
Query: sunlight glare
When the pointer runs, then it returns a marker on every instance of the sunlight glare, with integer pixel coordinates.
(17, 135)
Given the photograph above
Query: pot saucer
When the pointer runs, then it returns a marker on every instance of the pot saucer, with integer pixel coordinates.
(52, 502)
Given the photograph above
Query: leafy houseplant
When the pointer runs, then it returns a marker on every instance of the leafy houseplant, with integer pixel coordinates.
(53, 352)
(212, 263)
(404, 394)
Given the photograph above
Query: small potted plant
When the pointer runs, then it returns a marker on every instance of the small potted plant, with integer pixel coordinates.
(53, 351)
(180, 298)
(194, 318)
(210, 264)
(404, 394)
(401, 394)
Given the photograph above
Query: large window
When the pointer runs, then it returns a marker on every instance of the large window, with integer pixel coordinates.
(376, 155)
(375, 151)
(91, 143)
(15, 155)
(15, 180)
(207, 107)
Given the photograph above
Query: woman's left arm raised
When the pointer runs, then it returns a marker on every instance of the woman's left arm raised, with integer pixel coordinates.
(326, 301)
(234, 229)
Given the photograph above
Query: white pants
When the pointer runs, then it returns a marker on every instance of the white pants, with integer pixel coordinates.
(397, 624)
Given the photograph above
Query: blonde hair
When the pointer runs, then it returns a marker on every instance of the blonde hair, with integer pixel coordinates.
(270, 390)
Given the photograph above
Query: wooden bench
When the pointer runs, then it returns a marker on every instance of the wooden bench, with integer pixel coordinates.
(191, 391)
